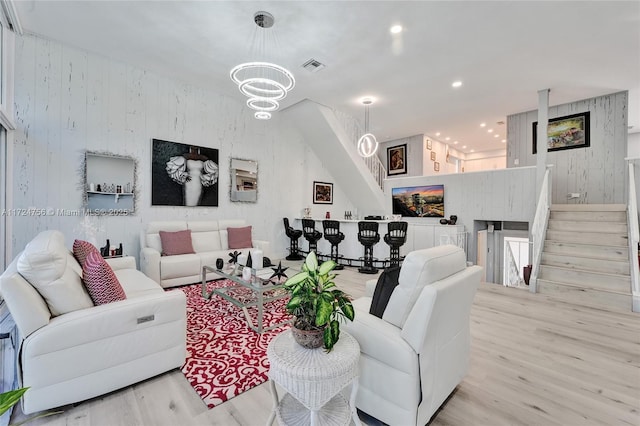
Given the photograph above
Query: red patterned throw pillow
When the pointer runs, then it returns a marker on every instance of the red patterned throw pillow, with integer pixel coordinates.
(81, 250)
(101, 282)
(239, 238)
(178, 242)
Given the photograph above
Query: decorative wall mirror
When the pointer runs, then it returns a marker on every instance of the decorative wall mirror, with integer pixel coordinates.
(109, 184)
(244, 180)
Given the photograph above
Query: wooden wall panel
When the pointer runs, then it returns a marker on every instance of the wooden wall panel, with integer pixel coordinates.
(596, 172)
(69, 101)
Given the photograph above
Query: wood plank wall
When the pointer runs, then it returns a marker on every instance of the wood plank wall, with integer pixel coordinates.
(68, 101)
(596, 172)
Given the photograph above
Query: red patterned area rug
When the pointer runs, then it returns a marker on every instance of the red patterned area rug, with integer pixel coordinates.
(224, 356)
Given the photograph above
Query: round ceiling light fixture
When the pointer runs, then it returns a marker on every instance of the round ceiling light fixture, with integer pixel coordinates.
(264, 83)
(367, 144)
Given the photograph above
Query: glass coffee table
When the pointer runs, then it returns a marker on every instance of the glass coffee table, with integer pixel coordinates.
(247, 294)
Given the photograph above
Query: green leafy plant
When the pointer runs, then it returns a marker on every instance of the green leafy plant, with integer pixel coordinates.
(316, 302)
(10, 398)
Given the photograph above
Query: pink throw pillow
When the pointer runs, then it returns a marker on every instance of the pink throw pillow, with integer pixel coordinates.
(178, 242)
(81, 250)
(239, 238)
(100, 280)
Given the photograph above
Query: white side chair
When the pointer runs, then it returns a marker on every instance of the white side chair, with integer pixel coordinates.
(418, 352)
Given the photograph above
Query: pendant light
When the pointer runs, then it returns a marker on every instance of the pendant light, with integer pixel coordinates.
(367, 144)
(264, 83)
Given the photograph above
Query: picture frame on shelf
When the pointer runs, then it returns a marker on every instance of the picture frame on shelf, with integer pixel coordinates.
(397, 160)
(567, 132)
(436, 166)
(433, 156)
(322, 193)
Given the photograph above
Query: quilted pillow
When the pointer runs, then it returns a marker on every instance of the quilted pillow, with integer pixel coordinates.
(239, 238)
(101, 281)
(178, 242)
(81, 250)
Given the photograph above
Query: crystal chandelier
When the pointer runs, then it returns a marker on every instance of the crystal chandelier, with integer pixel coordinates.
(264, 83)
(367, 144)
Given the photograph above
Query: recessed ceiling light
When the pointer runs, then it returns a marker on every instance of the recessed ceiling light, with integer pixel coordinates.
(396, 29)
(456, 84)
(496, 135)
(437, 133)
(447, 138)
(483, 124)
(473, 150)
(490, 130)
(504, 141)
(464, 146)
(455, 142)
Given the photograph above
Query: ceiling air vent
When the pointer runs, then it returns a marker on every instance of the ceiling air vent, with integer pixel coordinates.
(313, 65)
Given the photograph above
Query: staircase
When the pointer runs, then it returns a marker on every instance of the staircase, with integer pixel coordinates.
(586, 256)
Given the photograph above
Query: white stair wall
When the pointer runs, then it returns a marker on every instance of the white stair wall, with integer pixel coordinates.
(585, 257)
(326, 136)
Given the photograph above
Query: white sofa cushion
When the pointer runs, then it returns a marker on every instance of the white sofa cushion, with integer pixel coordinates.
(421, 268)
(181, 265)
(49, 266)
(206, 241)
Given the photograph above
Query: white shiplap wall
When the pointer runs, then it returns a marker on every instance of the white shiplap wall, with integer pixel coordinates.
(596, 172)
(496, 195)
(68, 101)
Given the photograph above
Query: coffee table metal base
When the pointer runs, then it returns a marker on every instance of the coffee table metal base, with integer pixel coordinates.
(258, 299)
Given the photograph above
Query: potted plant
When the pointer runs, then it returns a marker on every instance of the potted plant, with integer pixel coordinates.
(317, 304)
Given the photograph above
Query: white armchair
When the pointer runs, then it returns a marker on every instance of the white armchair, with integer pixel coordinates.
(418, 352)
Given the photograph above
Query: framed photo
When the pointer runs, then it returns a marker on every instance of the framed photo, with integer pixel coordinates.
(183, 175)
(436, 166)
(429, 144)
(397, 160)
(322, 193)
(568, 132)
(433, 156)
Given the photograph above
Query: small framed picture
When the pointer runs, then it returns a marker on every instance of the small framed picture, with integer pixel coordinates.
(322, 193)
(433, 156)
(436, 166)
(429, 144)
(397, 160)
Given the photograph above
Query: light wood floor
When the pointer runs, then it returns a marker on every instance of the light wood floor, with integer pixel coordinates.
(534, 361)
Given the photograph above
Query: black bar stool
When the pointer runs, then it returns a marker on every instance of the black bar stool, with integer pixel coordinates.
(293, 235)
(368, 236)
(311, 234)
(395, 237)
(334, 236)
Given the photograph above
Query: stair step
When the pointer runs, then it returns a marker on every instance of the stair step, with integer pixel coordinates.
(607, 216)
(587, 250)
(594, 238)
(586, 279)
(587, 226)
(585, 296)
(620, 267)
(589, 207)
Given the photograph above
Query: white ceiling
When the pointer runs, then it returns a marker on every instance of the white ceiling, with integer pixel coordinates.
(503, 52)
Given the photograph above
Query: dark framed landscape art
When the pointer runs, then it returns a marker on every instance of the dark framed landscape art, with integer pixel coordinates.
(397, 160)
(568, 132)
(322, 193)
(183, 175)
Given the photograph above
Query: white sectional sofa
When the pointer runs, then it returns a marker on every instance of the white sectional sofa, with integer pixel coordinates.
(71, 350)
(210, 242)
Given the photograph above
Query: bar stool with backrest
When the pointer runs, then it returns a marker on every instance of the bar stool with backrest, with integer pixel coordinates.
(294, 235)
(334, 236)
(395, 237)
(311, 234)
(368, 236)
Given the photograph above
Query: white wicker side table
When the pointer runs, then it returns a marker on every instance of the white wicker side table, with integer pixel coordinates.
(313, 380)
